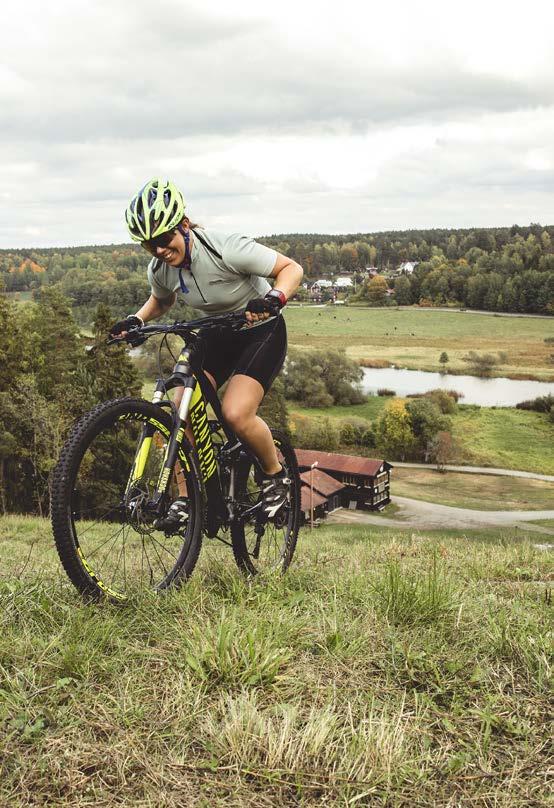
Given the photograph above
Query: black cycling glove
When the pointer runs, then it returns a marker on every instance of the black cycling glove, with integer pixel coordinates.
(125, 325)
(271, 303)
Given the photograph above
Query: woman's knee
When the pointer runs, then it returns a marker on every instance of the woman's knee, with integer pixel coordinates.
(236, 414)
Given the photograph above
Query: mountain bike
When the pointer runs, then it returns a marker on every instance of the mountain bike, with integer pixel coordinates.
(128, 460)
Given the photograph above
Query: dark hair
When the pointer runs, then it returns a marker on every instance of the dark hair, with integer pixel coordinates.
(192, 225)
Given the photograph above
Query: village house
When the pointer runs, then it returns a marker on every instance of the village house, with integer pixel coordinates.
(365, 482)
(343, 283)
(321, 283)
(327, 494)
(405, 268)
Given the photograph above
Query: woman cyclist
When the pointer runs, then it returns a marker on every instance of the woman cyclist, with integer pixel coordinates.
(220, 273)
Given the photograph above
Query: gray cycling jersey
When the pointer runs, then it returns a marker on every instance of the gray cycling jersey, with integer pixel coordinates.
(217, 286)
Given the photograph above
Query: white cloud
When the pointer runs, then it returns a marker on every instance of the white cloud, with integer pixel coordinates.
(294, 117)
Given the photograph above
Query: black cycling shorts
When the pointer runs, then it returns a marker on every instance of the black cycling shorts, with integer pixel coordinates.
(258, 352)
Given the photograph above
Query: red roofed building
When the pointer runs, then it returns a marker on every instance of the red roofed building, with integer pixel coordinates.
(327, 486)
(366, 482)
(318, 502)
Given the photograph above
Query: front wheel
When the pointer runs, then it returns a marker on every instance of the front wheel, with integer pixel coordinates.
(266, 546)
(102, 503)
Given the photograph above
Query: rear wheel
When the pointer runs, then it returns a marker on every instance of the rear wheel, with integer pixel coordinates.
(258, 546)
(102, 503)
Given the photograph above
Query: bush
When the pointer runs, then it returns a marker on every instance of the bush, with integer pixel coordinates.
(384, 391)
(483, 364)
(540, 404)
(322, 378)
(352, 431)
(394, 430)
(549, 340)
(321, 434)
(369, 438)
(426, 421)
(446, 403)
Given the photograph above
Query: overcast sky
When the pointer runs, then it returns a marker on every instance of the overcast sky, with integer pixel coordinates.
(274, 118)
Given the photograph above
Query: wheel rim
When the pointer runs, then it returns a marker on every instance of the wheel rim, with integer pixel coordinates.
(118, 545)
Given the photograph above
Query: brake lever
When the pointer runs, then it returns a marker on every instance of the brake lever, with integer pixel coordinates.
(134, 338)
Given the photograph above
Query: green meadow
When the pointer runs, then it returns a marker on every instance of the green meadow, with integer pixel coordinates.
(387, 668)
(500, 437)
(415, 338)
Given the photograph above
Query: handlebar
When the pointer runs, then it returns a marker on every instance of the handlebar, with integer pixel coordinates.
(186, 329)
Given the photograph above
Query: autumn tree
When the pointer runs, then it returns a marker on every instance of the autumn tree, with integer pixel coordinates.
(376, 290)
(442, 449)
(394, 430)
(348, 257)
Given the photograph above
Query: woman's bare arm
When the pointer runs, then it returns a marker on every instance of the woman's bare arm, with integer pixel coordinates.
(155, 307)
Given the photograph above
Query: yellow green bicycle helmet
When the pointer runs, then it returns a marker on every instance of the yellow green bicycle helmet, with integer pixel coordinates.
(157, 208)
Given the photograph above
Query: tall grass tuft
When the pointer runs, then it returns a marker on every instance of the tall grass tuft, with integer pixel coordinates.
(409, 598)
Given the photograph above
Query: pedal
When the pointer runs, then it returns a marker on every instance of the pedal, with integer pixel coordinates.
(175, 519)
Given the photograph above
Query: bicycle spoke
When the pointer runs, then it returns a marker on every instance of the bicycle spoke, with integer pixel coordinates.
(157, 541)
(113, 544)
(159, 559)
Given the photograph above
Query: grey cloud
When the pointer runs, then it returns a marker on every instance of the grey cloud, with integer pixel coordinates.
(113, 72)
(101, 99)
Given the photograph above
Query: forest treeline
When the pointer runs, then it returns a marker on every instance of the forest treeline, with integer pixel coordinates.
(48, 378)
(497, 269)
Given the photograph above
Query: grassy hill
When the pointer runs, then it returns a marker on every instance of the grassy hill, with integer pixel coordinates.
(387, 668)
(486, 436)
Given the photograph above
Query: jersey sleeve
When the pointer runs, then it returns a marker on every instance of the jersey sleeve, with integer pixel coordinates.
(158, 290)
(246, 257)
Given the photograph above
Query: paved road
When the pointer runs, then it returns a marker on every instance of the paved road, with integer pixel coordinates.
(531, 475)
(415, 513)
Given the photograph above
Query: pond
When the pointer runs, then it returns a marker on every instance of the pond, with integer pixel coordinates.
(499, 392)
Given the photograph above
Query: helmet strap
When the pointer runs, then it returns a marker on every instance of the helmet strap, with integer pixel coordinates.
(188, 258)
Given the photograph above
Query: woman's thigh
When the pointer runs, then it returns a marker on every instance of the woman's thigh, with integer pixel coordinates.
(242, 398)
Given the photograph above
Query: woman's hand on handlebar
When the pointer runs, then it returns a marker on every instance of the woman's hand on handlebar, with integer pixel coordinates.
(120, 330)
(261, 308)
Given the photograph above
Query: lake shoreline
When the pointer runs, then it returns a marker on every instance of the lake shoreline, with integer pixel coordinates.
(483, 391)
(379, 364)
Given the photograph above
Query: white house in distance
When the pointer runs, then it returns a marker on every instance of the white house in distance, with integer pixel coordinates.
(322, 284)
(343, 283)
(407, 267)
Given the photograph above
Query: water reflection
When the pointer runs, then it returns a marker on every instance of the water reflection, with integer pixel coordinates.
(485, 392)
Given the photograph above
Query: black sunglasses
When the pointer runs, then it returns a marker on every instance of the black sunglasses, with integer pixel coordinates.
(163, 240)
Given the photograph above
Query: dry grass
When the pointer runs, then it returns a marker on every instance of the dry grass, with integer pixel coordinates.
(479, 491)
(387, 668)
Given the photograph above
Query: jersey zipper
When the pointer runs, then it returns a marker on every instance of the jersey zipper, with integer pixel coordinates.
(199, 290)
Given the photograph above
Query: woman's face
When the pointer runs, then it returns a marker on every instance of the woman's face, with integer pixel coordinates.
(173, 253)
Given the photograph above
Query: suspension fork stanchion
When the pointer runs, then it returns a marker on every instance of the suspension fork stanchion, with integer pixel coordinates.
(177, 435)
(144, 443)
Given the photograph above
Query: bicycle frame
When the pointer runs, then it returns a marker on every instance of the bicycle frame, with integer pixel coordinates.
(197, 390)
